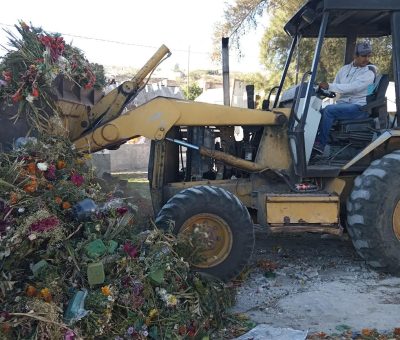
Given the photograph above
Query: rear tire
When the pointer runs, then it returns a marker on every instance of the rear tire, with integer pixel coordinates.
(226, 221)
(373, 214)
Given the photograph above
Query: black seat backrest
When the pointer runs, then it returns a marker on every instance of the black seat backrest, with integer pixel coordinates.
(381, 85)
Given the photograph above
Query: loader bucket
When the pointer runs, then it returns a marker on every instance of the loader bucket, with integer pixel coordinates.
(73, 102)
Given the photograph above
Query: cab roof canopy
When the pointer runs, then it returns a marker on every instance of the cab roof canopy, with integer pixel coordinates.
(362, 18)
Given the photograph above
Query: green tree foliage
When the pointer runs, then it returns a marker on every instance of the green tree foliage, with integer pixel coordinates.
(238, 20)
(192, 92)
(274, 46)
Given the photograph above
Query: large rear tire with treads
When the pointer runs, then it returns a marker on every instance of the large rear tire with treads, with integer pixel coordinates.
(373, 214)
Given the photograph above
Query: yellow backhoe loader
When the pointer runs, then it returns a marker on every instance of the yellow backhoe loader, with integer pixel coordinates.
(214, 189)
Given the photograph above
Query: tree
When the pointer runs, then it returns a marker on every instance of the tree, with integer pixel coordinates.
(192, 92)
(241, 17)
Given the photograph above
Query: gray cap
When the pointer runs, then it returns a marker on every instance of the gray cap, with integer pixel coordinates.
(363, 48)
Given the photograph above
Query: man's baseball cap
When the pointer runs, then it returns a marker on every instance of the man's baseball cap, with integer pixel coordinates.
(363, 48)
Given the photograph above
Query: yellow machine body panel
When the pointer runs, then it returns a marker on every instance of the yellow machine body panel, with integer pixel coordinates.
(274, 141)
(73, 115)
(302, 209)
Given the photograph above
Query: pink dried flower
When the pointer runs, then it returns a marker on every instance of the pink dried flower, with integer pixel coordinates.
(45, 224)
(122, 210)
(130, 249)
(69, 335)
(137, 288)
(50, 174)
(77, 179)
(5, 316)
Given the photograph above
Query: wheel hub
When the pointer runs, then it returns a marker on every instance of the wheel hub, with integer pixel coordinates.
(211, 235)
(396, 220)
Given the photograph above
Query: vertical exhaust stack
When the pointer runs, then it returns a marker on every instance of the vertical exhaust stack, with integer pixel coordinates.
(225, 71)
(250, 96)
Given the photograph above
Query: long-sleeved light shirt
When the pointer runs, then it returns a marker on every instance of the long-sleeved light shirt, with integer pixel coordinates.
(352, 83)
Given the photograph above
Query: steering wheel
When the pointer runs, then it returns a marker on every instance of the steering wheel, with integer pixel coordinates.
(325, 93)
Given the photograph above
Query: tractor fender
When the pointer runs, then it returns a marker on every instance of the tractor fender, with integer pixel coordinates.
(385, 136)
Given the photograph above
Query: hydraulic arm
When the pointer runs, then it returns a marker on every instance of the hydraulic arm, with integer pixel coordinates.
(112, 104)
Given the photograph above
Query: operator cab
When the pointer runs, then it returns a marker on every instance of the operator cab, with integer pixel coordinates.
(349, 20)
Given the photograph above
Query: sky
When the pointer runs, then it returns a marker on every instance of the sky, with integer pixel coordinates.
(184, 26)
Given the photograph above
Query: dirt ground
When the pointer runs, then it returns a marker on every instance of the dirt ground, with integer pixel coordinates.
(309, 282)
(317, 283)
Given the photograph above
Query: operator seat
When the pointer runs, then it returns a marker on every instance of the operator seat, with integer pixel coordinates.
(359, 132)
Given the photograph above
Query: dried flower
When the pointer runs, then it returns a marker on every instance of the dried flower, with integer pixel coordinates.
(24, 26)
(30, 98)
(66, 205)
(77, 179)
(50, 174)
(31, 291)
(45, 224)
(42, 166)
(130, 249)
(16, 97)
(31, 167)
(69, 335)
(105, 290)
(32, 237)
(58, 200)
(32, 185)
(46, 295)
(191, 331)
(171, 300)
(130, 330)
(4, 316)
(137, 288)
(7, 75)
(13, 197)
(5, 327)
(137, 302)
(122, 210)
(35, 92)
(153, 313)
(60, 164)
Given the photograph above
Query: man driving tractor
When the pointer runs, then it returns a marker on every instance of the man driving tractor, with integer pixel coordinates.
(351, 82)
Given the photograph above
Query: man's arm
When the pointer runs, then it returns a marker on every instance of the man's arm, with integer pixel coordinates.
(359, 84)
(324, 85)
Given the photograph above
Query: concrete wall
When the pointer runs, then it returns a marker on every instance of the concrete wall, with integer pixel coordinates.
(128, 158)
(101, 162)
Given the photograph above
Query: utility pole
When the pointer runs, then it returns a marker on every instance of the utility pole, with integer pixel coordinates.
(188, 70)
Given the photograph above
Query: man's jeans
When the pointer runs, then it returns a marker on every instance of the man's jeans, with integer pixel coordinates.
(335, 112)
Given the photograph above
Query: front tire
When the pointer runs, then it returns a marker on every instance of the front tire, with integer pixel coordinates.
(373, 214)
(225, 221)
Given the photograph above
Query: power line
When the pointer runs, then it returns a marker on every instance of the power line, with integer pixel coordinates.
(108, 40)
(121, 42)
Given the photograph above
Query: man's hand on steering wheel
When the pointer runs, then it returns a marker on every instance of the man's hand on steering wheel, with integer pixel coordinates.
(323, 85)
(323, 90)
